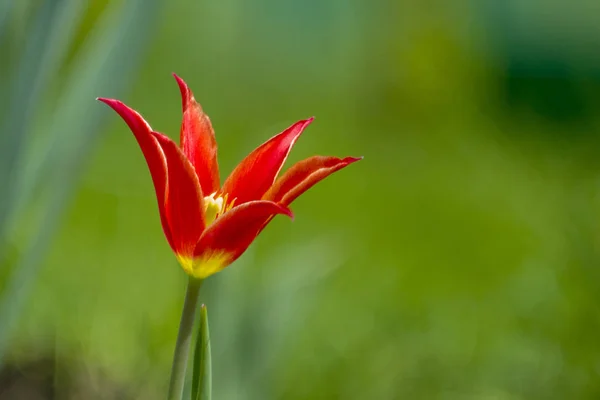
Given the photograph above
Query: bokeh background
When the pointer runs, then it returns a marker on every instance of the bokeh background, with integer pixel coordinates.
(459, 260)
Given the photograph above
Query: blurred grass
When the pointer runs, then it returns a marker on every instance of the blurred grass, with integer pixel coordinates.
(71, 130)
(458, 260)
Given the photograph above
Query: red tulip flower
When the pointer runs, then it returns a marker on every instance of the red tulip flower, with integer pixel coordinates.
(207, 225)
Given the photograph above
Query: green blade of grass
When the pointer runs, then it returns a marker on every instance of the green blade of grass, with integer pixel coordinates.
(202, 372)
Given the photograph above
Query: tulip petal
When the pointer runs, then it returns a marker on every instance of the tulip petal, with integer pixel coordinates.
(303, 175)
(231, 234)
(197, 140)
(183, 199)
(256, 173)
(153, 153)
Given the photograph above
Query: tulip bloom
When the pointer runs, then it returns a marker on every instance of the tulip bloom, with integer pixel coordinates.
(207, 225)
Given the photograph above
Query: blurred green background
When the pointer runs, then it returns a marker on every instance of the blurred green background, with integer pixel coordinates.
(459, 260)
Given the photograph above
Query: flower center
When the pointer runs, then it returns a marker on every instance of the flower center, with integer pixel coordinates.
(213, 207)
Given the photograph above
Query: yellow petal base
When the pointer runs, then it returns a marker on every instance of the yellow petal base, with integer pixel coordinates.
(204, 267)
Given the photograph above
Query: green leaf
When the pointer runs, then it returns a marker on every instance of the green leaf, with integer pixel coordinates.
(202, 374)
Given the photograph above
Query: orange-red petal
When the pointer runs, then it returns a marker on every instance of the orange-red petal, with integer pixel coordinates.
(257, 172)
(183, 199)
(153, 153)
(303, 175)
(231, 234)
(197, 140)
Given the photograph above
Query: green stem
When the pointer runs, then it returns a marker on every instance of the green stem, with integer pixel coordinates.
(184, 338)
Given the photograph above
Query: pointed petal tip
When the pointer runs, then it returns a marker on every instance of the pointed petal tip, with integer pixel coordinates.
(179, 80)
(351, 160)
(115, 104)
(283, 210)
(186, 94)
(106, 100)
(304, 123)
